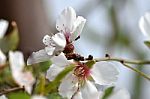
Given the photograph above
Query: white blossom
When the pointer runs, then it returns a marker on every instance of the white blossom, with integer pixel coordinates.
(144, 24)
(69, 27)
(2, 58)
(3, 27)
(22, 78)
(103, 73)
(3, 97)
(70, 24)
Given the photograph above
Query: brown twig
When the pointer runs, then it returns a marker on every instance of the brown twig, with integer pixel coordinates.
(6, 91)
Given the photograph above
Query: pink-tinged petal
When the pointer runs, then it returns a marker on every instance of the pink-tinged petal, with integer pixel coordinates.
(53, 71)
(25, 79)
(144, 24)
(59, 40)
(104, 73)
(16, 60)
(38, 97)
(89, 91)
(60, 60)
(3, 27)
(3, 97)
(65, 20)
(2, 58)
(120, 94)
(78, 27)
(68, 86)
(38, 56)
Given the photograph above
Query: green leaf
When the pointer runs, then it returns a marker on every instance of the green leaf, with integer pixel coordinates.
(18, 95)
(147, 43)
(107, 92)
(40, 88)
(11, 41)
(54, 96)
(54, 84)
(90, 63)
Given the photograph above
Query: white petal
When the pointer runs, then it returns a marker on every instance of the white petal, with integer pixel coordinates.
(78, 27)
(25, 79)
(65, 20)
(89, 91)
(104, 73)
(3, 97)
(38, 97)
(120, 94)
(50, 50)
(59, 40)
(47, 40)
(38, 56)
(16, 60)
(144, 24)
(3, 27)
(53, 71)
(61, 60)
(2, 58)
(68, 86)
(78, 95)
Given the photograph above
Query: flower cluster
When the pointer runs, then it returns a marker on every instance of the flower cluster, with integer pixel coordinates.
(82, 80)
(80, 83)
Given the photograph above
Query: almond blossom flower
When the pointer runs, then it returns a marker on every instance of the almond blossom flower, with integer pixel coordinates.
(69, 27)
(144, 24)
(22, 78)
(3, 97)
(76, 84)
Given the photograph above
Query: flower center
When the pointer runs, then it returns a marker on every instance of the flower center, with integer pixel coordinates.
(69, 48)
(81, 71)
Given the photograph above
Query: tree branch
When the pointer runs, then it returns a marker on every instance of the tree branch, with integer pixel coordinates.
(137, 62)
(6, 91)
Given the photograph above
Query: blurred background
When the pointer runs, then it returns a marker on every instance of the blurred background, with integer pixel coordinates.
(111, 27)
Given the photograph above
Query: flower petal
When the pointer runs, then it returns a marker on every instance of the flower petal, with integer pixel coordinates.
(78, 27)
(65, 20)
(89, 91)
(53, 71)
(3, 27)
(25, 79)
(16, 60)
(120, 94)
(50, 50)
(38, 56)
(38, 97)
(78, 95)
(47, 40)
(59, 40)
(104, 73)
(3, 97)
(60, 60)
(144, 24)
(68, 86)
(2, 58)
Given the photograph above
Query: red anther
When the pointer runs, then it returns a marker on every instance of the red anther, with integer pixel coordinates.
(81, 71)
